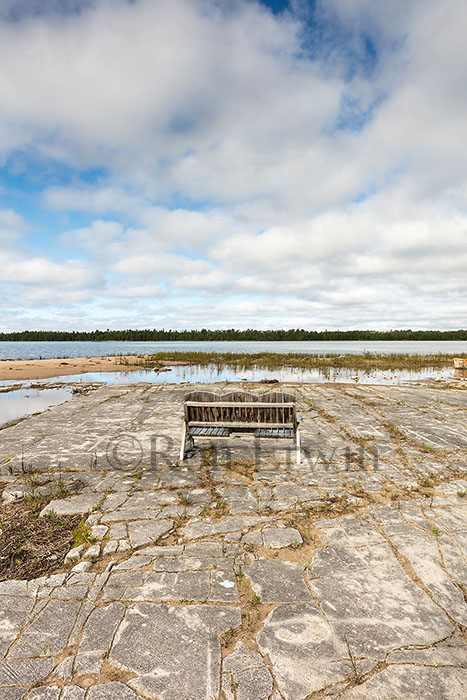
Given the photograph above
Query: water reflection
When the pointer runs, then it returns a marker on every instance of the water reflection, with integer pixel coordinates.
(206, 374)
(24, 402)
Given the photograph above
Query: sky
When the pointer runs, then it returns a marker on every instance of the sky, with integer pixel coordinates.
(233, 163)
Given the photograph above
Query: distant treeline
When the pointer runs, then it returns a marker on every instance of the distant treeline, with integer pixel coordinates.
(233, 334)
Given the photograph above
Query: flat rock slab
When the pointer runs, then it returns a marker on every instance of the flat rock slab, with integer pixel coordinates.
(303, 650)
(277, 537)
(45, 693)
(277, 581)
(111, 691)
(206, 527)
(49, 631)
(174, 650)
(410, 682)
(188, 585)
(379, 609)
(423, 552)
(246, 676)
(75, 505)
(24, 672)
(143, 532)
(100, 629)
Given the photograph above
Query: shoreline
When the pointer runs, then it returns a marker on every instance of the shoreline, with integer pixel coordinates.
(48, 368)
(17, 370)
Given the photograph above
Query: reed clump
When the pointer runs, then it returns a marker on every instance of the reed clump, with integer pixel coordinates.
(367, 360)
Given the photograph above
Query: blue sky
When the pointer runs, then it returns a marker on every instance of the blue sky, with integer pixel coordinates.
(219, 163)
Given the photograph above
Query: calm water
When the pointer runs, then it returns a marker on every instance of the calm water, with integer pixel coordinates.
(206, 374)
(12, 350)
(25, 402)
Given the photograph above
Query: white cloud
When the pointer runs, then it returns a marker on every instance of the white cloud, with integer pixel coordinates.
(246, 165)
(41, 271)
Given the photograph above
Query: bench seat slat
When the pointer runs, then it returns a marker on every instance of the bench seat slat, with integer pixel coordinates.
(206, 430)
(238, 424)
(274, 432)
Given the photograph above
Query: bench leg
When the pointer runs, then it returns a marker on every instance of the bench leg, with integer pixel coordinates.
(183, 445)
(186, 439)
(298, 446)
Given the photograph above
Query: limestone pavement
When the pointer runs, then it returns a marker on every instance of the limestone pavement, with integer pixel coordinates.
(241, 575)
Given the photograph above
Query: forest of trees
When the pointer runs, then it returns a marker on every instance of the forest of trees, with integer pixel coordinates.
(233, 334)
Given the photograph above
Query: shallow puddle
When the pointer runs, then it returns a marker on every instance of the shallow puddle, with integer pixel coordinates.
(24, 402)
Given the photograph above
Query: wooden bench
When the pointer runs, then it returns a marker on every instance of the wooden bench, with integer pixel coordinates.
(271, 415)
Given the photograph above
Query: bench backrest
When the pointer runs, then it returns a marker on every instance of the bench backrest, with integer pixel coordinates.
(239, 407)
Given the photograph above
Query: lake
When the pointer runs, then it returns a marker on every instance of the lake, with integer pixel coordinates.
(19, 350)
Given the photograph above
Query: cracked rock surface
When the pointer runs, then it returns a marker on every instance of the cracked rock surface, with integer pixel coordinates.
(241, 575)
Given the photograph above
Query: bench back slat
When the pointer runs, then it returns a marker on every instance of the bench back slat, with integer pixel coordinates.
(273, 408)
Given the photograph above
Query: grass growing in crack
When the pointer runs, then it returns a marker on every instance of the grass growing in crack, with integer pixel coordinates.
(353, 662)
(209, 453)
(253, 613)
(362, 440)
(218, 507)
(427, 448)
(397, 434)
(255, 600)
(435, 530)
(239, 575)
(321, 411)
(395, 431)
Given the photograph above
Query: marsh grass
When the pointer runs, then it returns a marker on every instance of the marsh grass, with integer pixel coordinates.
(367, 360)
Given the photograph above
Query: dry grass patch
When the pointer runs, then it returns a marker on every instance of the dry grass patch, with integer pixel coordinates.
(31, 546)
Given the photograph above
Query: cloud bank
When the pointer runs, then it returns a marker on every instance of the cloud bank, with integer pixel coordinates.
(215, 163)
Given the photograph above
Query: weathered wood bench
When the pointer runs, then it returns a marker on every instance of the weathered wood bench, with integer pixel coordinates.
(271, 415)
